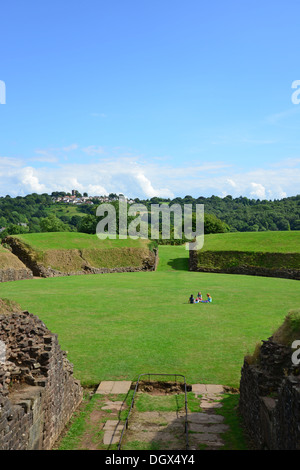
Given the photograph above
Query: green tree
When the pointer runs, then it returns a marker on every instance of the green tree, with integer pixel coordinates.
(214, 225)
(88, 224)
(13, 229)
(53, 224)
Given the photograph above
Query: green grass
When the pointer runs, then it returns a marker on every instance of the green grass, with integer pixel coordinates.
(234, 438)
(64, 209)
(267, 242)
(173, 402)
(117, 326)
(77, 425)
(75, 240)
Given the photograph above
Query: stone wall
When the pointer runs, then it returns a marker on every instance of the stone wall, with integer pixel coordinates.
(13, 274)
(270, 398)
(38, 393)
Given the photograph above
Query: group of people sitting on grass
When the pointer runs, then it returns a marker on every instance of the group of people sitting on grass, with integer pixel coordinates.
(199, 299)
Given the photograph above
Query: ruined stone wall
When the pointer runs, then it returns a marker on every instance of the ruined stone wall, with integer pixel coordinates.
(270, 398)
(13, 274)
(38, 393)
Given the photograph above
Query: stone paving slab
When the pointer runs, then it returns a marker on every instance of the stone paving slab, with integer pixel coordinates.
(110, 437)
(217, 428)
(113, 425)
(121, 387)
(207, 405)
(114, 387)
(105, 387)
(113, 405)
(204, 389)
(202, 418)
(112, 432)
(196, 439)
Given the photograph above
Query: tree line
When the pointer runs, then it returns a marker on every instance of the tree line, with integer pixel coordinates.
(38, 213)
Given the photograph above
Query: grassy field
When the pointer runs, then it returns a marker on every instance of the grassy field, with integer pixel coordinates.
(267, 242)
(117, 326)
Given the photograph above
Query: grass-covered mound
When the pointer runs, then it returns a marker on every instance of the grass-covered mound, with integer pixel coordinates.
(275, 254)
(55, 253)
(285, 334)
(289, 331)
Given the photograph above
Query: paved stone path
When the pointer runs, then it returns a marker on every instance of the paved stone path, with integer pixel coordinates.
(167, 429)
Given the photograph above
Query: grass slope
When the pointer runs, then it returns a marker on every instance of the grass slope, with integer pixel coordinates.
(117, 326)
(75, 240)
(265, 242)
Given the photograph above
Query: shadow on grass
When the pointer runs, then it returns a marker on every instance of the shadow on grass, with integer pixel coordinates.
(179, 264)
(172, 434)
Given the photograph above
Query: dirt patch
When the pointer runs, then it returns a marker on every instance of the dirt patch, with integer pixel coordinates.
(64, 260)
(161, 388)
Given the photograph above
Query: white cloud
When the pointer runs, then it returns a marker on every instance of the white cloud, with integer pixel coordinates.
(96, 189)
(93, 150)
(135, 177)
(30, 181)
(258, 191)
(44, 157)
(232, 183)
(10, 162)
(149, 190)
(283, 115)
(98, 115)
(70, 148)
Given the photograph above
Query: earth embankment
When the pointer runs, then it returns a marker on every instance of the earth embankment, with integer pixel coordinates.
(12, 268)
(283, 265)
(87, 258)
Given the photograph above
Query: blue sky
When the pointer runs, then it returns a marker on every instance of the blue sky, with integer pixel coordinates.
(160, 98)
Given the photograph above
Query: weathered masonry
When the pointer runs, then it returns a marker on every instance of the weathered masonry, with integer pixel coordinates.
(38, 393)
(270, 398)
